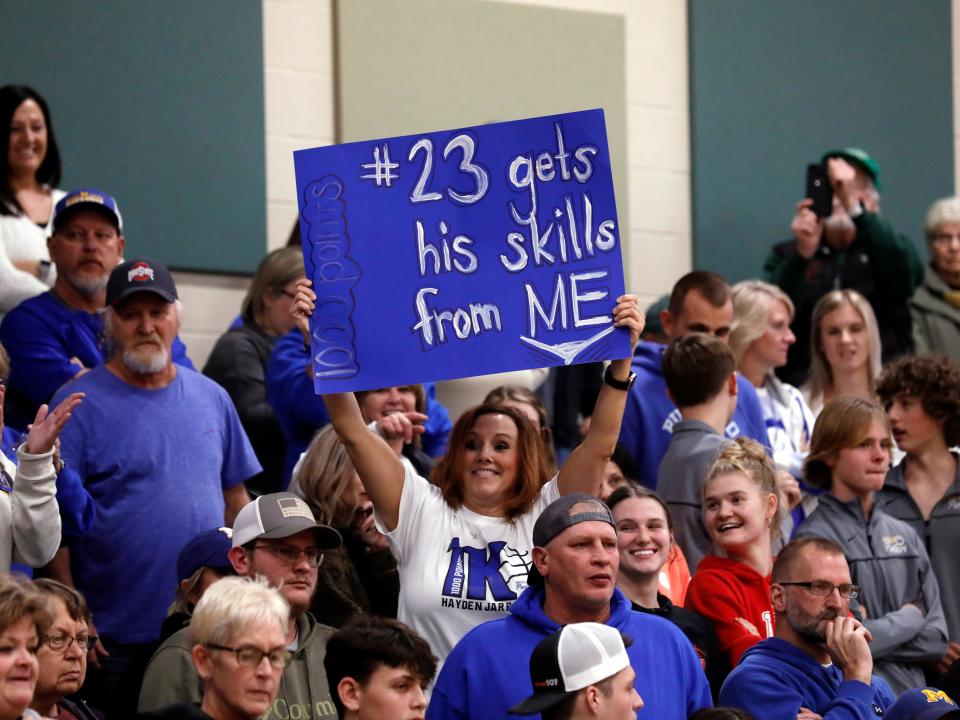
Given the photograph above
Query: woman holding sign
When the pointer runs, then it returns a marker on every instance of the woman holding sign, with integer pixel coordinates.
(463, 542)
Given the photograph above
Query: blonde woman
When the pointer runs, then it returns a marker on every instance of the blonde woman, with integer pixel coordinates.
(360, 576)
(760, 338)
(731, 587)
(846, 349)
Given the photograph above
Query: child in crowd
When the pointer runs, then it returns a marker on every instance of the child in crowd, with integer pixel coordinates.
(378, 669)
(740, 511)
(700, 372)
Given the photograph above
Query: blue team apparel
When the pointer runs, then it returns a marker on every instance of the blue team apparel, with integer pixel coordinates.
(775, 679)
(301, 413)
(650, 414)
(41, 335)
(488, 670)
(151, 467)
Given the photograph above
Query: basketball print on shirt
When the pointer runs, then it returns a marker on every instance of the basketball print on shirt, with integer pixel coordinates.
(487, 579)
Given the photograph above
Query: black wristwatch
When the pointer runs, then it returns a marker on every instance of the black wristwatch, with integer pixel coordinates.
(624, 385)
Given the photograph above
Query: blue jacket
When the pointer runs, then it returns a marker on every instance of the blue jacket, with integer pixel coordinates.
(489, 669)
(650, 414)
(301, 413)
(775, 679)
(41, 335)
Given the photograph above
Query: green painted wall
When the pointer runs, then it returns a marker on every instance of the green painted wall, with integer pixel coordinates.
(773, 84)
(161, 105)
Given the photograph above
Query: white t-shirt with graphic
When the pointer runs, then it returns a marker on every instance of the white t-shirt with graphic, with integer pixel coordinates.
(457, 568)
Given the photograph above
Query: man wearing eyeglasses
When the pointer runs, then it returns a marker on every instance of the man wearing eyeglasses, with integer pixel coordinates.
(277, 537)
(818, 664)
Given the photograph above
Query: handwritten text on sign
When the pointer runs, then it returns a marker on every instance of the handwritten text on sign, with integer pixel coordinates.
(460, 253)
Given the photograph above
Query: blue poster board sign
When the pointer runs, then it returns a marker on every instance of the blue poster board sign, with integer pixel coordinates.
(463, 252)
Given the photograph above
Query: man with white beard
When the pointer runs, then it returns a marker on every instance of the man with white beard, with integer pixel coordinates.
(853, 248)
(159, 455)
(57, 335)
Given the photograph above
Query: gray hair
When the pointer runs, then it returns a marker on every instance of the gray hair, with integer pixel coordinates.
(109, 313)
(235, 604)
(943, 211)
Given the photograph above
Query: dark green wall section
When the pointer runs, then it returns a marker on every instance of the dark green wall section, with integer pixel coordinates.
(161, 105)
(775, 83)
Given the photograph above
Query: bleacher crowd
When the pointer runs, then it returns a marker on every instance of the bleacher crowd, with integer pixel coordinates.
(756, 515)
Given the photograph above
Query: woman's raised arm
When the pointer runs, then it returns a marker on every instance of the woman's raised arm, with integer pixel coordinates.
(583, 470)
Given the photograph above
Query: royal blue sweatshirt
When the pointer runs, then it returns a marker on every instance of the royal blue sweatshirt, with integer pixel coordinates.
(488, 671)
(775, 679)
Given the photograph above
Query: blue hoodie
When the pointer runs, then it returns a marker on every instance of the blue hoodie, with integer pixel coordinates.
(650, 414)
(489, 669)
(775, 679)
(301, 413)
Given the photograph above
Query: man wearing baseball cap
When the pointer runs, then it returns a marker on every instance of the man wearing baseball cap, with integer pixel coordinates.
(159, 455)
(572, 579)
(852, 248)
(275, 536)
(57, 335)
(923, 704)
(582, 672)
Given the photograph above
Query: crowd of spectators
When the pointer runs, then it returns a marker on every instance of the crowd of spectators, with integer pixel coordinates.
(757, 510)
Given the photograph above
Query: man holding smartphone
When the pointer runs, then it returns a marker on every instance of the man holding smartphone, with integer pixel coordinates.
(851, 247)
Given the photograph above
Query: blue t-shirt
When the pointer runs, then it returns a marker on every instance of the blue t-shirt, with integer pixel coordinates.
(153, 466)
(41, 335)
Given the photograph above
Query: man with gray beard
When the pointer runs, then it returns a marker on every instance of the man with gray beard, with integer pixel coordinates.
(56, 336)
(852, 248)
(159, 455)
(818, 665)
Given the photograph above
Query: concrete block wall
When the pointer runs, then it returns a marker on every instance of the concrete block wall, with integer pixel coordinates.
(299, 109)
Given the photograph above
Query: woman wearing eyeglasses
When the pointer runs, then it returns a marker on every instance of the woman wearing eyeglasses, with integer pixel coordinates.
(238, 633)
(935, 306)
(63, 654)
(899, 601)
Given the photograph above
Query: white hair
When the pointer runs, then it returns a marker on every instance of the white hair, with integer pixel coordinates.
(233, 605)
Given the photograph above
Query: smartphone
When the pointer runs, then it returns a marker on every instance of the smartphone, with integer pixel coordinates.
(819, 190)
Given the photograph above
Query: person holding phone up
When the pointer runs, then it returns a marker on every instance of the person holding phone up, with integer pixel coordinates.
(848, 245)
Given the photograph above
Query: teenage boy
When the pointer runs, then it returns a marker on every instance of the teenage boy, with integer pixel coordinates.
(701, 377)
(378, 669)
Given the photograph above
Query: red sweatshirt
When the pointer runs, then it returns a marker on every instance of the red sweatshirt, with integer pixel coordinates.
(736, 599)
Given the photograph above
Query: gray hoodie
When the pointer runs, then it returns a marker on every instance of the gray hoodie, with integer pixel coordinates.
(889, 563)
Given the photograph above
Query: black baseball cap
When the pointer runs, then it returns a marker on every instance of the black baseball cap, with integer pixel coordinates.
(140, 275)
(558, 516)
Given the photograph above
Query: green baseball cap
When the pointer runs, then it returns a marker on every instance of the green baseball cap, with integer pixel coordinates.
(860, 158)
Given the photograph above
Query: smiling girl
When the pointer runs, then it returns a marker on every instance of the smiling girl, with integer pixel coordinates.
(24, 619)
(645, 541)
(731, 587)
(899, 600)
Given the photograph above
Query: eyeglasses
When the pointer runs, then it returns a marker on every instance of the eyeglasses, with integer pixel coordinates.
(824, 588)
(290, 556)
(945, 238)
(251, 656)
(62, 643)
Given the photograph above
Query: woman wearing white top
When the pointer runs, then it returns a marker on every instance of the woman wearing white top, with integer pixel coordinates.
(845, 356)
(463, 543)
(29, 170)
(760, 337)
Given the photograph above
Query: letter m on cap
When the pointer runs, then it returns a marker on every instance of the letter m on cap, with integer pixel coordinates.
(936, 696)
